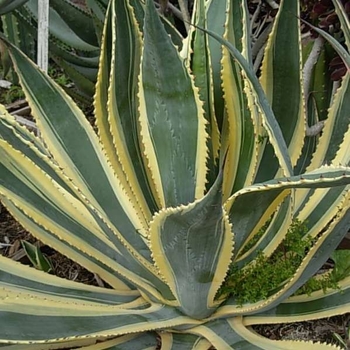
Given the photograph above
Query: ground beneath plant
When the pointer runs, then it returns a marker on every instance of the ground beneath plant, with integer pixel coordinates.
(11, 234)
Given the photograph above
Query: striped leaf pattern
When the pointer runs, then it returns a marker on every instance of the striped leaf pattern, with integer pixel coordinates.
(194, 154)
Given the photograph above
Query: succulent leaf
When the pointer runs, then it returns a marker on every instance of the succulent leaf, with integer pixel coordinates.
(171, 119)
(197, 169)
(192, 247)
(9, 5)
(284, 91)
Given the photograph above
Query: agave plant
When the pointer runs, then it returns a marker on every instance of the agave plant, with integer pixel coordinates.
(193, 156)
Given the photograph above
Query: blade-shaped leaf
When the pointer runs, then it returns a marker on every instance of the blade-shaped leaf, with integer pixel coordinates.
(171, 117)
(201, 67)
(74, 145)
(119, 127)
(284, 91)
(9, 5)
(307, 307)
(239, 144)
(342, 52)
(344, 20)
(77, 18)
(313, 261)
(265, 198)
(173, 341)
(36, 257)
(61, 30)
(217, 13)
(233, 334)
(142, 341)
(69, 321)
(192, 247)
(20, 278)
(268, 118)
(59, 220)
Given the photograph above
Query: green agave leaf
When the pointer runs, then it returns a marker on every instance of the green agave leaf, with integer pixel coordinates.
(216, 13)
(116, 103)
(303, 307)
(71, 227)
(98, 9)
(22, 279)
(192, 247)
(317, 103)
(268, 118)
(183, 341)
(271, 238)
(53, 228)
(342, 52)
(66, 53)
(144, 341)
(223, 336)
(267, 196)
(344, 20)
(139, 12)
(16, 33)
(332, 148)
(324, 202)
(77, 19)
(284, 91)
(245, 221)
(36, 257)
(171, 117)
(9, 5)
(200, 65)
(234, 334)
(68, 321)
(79, 153)
(241, 121)
(313, 261)
(335, 128)
(21, 139)
(83, 77)
(62, 30)
(48, 346)
(58, 237)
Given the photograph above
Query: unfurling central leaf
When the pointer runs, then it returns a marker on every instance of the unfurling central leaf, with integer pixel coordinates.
(192, 247)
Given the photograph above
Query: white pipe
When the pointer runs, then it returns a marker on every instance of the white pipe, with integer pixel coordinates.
(43, 34)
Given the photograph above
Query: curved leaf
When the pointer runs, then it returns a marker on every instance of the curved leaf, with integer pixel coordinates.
(173, 132)
(192, 247)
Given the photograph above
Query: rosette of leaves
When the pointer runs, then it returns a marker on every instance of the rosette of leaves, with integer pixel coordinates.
(193, 156)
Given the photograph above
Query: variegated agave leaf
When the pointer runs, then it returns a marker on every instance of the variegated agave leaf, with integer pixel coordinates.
(75, 38)
(193, 155)
(9, 5)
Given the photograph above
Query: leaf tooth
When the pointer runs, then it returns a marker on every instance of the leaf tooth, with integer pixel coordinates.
(111, 264)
